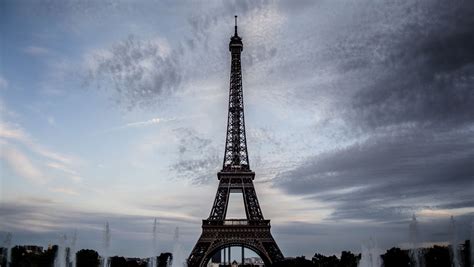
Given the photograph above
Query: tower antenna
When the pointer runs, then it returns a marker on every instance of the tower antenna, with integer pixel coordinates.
(235, 25)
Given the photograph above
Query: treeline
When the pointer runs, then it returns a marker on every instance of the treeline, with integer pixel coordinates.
(436, 256)
(32, 256)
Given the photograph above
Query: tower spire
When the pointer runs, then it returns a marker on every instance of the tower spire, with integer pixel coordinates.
(235, 156)
(235, 34)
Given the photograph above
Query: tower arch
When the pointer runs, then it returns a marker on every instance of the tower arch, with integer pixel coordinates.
(235, 243)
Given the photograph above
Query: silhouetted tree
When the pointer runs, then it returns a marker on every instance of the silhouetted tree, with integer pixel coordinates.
(348, 259)
(17, 256)
(117, 261)
(396, 257)
(87, 258)
(324, 261)
(164, 259)
(3, 257)
(437, 256)
(466, 253)
(135, 262)
(296, 262)
(20, 257)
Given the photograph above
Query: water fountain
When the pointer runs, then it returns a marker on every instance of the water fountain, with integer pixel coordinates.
(105, 253)
(7, 243)
(370, 255)
(61, 254)
(454, 244)
(414, 246)
(178, 258)
(152, 260)
(72, 249)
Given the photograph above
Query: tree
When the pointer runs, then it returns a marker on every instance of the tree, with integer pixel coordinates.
(117, 261)
(296, 262)
(396, 257)
(320, 260)
(437, 256)
(348, 259)
(164, 260)
(466, 253)
(87, 258)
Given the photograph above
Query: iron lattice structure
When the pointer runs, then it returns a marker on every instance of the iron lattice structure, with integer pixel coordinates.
(253, 232)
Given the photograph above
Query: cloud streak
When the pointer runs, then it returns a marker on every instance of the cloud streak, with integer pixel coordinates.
(22, 165)
(36, 50)
(14, 137)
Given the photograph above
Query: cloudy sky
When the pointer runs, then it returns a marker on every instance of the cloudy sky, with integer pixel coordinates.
(359, 114)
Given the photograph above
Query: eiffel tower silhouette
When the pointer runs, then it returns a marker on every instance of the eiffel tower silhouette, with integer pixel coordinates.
(253, 232)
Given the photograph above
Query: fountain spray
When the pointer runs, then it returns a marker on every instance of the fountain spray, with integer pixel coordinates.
(177, 250)
(107, 236)
(7, 243)
(61, 254)
(152, 260)
(72, 248)
(454, 243)
(370, 255)
(414, 237)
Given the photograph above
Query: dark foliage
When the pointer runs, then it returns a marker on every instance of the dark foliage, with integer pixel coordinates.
(296, 262)
(3, 256)
(437, 256)
(164, 259)
(466, 253)
(87, 258)
(396, 257)
(118, 262)
(20, 257)
(348, 259)
(324, 261)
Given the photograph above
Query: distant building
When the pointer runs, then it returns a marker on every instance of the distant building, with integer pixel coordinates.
(254, 261)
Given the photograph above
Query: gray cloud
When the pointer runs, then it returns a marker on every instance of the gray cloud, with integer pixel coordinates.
(198, 158)
(426, 70)
(138, 72)
(127, 231)
(389, 177)
(405, 98)
(203, 20)
(298, 238)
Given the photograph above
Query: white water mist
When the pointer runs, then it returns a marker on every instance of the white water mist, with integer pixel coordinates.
(370, 255)
(61, 253)
(178, 255)
(454, 244)
(7, 244)
(106, 245)
(152, 260)
(414, 239)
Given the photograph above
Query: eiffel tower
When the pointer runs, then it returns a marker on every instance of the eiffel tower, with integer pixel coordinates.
(253, 232)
